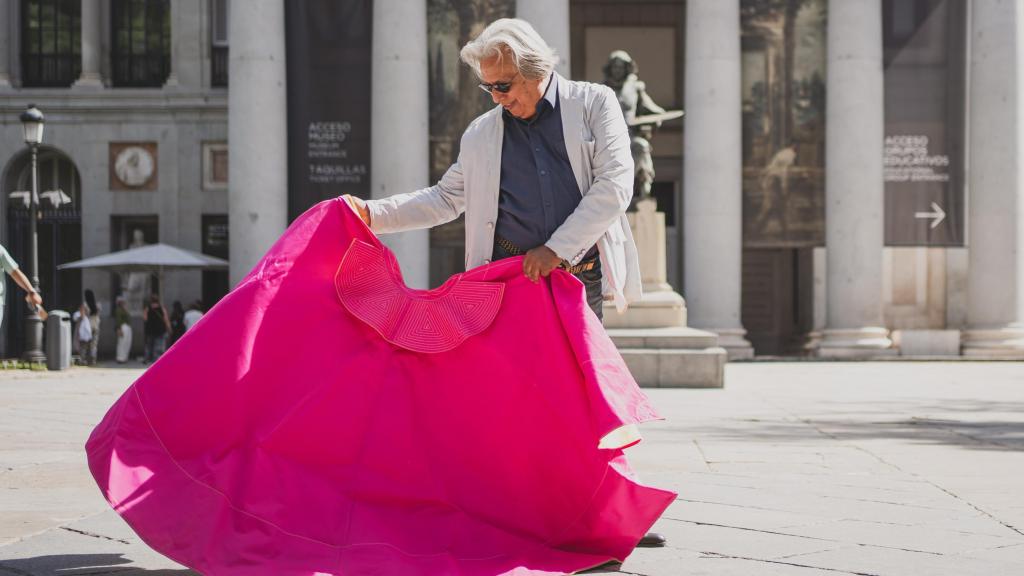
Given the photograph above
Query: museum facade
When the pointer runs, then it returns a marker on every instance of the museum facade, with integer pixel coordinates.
(845, 182)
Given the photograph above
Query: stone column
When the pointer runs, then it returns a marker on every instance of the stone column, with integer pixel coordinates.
(995, 280)
(400, 116)
(92, 34)
(186, 44)
(257, 132)
(712, 170)
(854, 185)
(5, 44)
(551, 20)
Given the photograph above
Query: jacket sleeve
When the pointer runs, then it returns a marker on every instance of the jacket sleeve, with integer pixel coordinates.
(611, 188)
(440, 203)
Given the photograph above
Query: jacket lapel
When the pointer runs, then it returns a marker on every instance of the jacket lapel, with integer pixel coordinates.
(493, 174)
(572, 130)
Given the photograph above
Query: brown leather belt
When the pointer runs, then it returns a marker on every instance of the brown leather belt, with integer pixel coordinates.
(517, 251)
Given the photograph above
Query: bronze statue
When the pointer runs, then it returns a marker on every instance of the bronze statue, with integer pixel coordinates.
(641, 112)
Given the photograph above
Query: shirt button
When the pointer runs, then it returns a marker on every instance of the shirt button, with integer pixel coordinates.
(543, 172)
(490, 224)
(536, 149)
(487, 261)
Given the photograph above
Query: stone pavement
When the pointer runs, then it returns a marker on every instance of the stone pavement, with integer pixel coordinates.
(797, 469)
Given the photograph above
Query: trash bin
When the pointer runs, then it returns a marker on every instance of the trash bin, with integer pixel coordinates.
(58, 340)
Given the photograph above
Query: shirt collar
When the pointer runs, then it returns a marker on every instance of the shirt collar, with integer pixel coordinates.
(551, 92)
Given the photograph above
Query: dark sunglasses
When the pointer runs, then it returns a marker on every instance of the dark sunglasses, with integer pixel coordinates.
(502, 87)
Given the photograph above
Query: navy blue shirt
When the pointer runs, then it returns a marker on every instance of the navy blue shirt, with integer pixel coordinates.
(538, 188)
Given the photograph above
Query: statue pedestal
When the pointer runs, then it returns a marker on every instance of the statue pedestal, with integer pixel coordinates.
(660, 350)
(661, 307)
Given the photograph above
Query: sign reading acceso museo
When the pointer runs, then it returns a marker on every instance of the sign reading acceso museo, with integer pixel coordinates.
(328, 56)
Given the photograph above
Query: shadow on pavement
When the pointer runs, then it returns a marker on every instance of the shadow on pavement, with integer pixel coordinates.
(609, 568)
(82, 564)
(995, 435)
(131, 364)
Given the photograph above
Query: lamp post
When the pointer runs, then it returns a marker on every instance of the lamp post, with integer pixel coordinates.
(32, 123)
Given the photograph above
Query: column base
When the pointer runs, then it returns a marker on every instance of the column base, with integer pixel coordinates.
(735, 342)
(814, 338)
(172, 81)
(1001, 342)
(89, 81)
(5, 81)
(855, 343)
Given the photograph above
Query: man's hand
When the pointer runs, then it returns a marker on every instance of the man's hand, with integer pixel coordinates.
(359, 206)
(34, 298)
(540, 262)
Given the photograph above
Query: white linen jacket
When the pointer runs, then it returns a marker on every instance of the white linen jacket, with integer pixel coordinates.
(597, 142)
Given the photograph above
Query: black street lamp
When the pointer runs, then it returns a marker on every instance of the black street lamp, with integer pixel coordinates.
(32, 123)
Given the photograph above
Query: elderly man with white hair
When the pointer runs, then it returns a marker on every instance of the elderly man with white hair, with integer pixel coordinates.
(547, 173)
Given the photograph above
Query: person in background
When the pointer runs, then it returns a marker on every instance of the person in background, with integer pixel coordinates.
(11, 267)
(123, 322)
(156, 325)
(177, 321)
(88, 318)
(195, 312)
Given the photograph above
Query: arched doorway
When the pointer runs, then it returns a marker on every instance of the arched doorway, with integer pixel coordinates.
(60, 239)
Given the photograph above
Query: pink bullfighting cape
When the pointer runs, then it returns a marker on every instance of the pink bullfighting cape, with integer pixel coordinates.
(324, 418)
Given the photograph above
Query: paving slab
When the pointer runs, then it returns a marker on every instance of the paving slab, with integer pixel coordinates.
(802, 469)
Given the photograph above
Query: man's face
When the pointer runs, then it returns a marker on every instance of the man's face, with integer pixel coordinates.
(521, 100)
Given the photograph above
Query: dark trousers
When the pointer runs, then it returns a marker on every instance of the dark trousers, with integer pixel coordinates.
(591, 280)
(155, 344)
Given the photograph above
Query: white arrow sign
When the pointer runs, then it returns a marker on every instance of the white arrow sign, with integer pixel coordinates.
(937, 213)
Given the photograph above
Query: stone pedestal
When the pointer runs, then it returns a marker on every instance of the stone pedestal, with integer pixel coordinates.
(652, 334)
(661, 307)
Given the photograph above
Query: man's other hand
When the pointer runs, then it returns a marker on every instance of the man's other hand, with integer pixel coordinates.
(34, 298)
(540, 262)
(359, 206)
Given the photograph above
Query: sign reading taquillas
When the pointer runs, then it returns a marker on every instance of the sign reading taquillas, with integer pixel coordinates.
(329, 54)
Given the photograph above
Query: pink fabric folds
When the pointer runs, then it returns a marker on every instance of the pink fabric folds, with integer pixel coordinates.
(324, 418)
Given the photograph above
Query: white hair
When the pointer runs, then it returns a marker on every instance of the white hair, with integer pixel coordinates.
(516, 38)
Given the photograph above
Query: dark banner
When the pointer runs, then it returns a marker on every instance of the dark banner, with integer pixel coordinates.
(329, 49)
(925, 43)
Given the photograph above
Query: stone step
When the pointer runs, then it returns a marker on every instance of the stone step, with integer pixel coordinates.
(674, 338)
(677, 368)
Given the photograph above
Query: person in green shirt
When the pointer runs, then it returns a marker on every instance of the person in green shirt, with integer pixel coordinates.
(11, 267)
